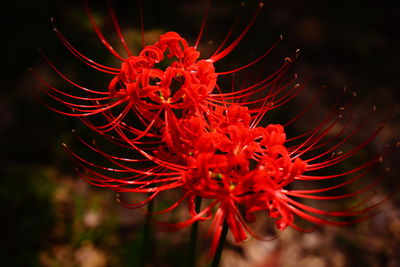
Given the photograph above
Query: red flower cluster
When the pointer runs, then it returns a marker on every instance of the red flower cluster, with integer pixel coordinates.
(189, 134)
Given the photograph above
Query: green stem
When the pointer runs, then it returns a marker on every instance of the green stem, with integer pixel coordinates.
(193, 235)
(145, 249)
(221, 243)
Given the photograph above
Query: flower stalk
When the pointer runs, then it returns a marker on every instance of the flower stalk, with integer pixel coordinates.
(146, 236)
(217, 257)
(193, 235)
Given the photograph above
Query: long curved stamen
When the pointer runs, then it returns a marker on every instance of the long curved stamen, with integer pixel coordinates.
(232, 46)
(253, 62)
(141, 22)
(203, 24)
(117, 27)
(84, 58)
(98, 31)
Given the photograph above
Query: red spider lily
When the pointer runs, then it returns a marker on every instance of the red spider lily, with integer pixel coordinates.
(221, 171)
(156, 95)
(243, 171)
(198, 138)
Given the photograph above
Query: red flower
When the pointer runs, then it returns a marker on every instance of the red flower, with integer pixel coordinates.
(244, 171)
(208, 143)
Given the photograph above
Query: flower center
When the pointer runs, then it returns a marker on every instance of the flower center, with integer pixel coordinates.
(166, 73)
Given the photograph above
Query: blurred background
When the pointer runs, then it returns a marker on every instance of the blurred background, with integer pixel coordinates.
(50, 217)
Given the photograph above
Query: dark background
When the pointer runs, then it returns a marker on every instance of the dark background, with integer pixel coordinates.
(51, 218)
